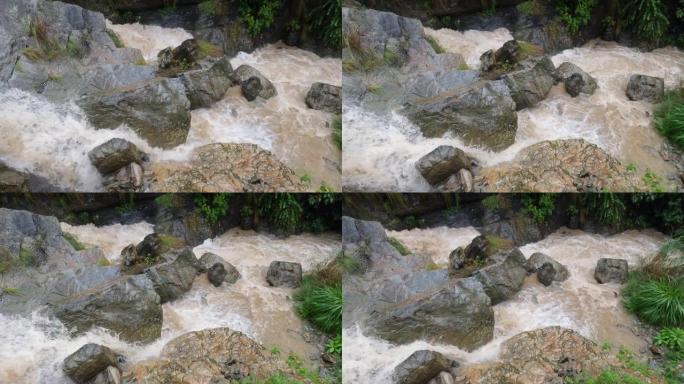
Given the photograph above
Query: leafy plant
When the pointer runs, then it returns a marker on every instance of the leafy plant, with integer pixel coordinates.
(282, 210)
(575, 14)
(607, 208)
(492, 202)
(652, 181)
(325, 20)
(669, 117)
(165, 200)
(538, 207)
(258, 15)
(658, 301)
(208, 7)
(11, 291)
(334, 345)
(673, 339)
(648, 18)
(320, 304)
(214, 210)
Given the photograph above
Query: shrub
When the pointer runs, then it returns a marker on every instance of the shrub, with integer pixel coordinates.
(538, 207)
(398, 246)
(258, 15)
(320, 304)
(648, 18)
(607, 208)
(325, 20)
(669, 117)
(575, 14)
(672, 339)
(206, 48)
(214, 210)
(657, 301)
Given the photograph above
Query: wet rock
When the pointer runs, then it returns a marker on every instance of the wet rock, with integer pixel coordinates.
(546, 274)
(482, 114)
(174, 275)
(216, 274)
(532, 84)
(283, 273)
(462, 181)
(443, 378)
(457, 259)
(487, 61)
(127, 179)
(421, 367)
(209, 259)
(86, 363)
(478, 249)
(111, 375)
(251, 88)
(128, 306)
(245, 73)
(325, 97)
(150, 246)
(115, 154)
(230, 167)
(504, 279)
(187, 52)
(573, 165)
(611, 271)
(165, 58)
(537, 260)
(567, 72)
(157, 110)
(642, 87)
(206, 86)
(508, 53)
(441, 163)
(201, 356)
(13, 180)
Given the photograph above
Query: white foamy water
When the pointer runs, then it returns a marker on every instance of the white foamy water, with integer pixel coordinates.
(53, 141)
(33, 352)
(437, 243)
(111, 239)
(381, 151)
(580, 303)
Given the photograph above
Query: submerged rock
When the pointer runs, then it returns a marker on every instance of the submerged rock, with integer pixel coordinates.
(114, 155)
(174, 275)
(283, 273)
(482, 114)
(574, 86)
(531, 84)
(503, 280)
(262, 88)
(441, 163)
(421, 367)
(209, 259)
(611, 271)
(88, 362)
(642, 87)
(325, 97)
(204, 87)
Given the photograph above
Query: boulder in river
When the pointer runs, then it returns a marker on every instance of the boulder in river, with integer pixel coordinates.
(261, 86)
(487, 60)
(531, 84)
(217, 274)
(546, 274)
(504, 279)
(611, 271)
(421, 367)
(89, 361)
(478, 249)
(203, 87)
(567, 70)
(457, 259)
(284, 273)
(174, 275)
(184, 55)
(115, 154)
(538, 259)
(481, 114)
(130, 178)
(157, 110)
(441, 163)
(209, 259)
(128, 306)
(325, 97)
(642, 87)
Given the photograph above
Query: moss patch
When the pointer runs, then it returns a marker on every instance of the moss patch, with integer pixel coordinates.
(398, 246)
(170, 242)
(73, 242)
(435, 45)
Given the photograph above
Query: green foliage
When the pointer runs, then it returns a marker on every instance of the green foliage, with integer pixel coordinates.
(652, 181)
(334, 345)
(103, 262)
(463, 67)
(282, 210)
(656, 301)
(492, 202)
(214, 210)
(575, 14)
(206, 49)
(390, 57)
(73, 242)
(648, 18)
(539, 207)
(305, 178)
(348, 264)
(531, 7)
(115, 38)
(325, 20)
(631, 167)
(275, 351)
(320, 304)
(607, 208)
(295, 363)
(673, 339)
(672, 246)
(398, 246)
(669, 117)
(208, 7)
(26, 258)
(165, 200)
(607, 376)
(258, 15)
(11, 291)
(337, 132)
(434, 44)
(168, 10)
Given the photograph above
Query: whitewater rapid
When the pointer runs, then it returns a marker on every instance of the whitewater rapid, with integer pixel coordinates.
(52, 140)
(381, 150)
(33, 349)
(579, 303)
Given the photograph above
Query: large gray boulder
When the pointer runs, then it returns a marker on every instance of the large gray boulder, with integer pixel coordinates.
(114, 155)
(157, 110)
(441, 163)
(209, 259)
(325, 97)
(530, 85)
(642, 87)
(504, 279)
(537, 260)
(611, 271)
(284, 273)
(206, 86)
(128, 305)
(88, 362)
(482, 114)
(566, 70)
(174, 275)
(242, 76)
(421, 367)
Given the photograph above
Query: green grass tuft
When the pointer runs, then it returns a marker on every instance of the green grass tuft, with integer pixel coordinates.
(115, 38)
(658, 301)
(11, 291)
(435, 45)
(398, 246)
(320, 304)
(669, 117)
(103, 262)
(74, 243)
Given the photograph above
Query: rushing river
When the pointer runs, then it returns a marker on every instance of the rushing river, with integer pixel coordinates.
(380, 151)
(52, 140)
(579, 303)
(33, 351)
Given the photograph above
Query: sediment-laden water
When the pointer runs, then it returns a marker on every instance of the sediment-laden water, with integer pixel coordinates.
(579, 303)
(34, 350)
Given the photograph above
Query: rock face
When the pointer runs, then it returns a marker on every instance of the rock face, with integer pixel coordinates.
(482, 114)
(114, 154)
(128, 306)
(206, 86)
(230, 167)
(457, 259)
(421, 367)
(532, 84)
(585, 83)
(441, 163)
(148, 250)
(209, 259)
(325, 97)
(157, 110)
(210, 356)
(174, 275)
(537, 260)
(611, 271)
(477, 249)
(216, 274)
(262, 88)
(183, 55)
(559, 166)
(642, 87)
(503, 279)
(283, 273)
(86, 363)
